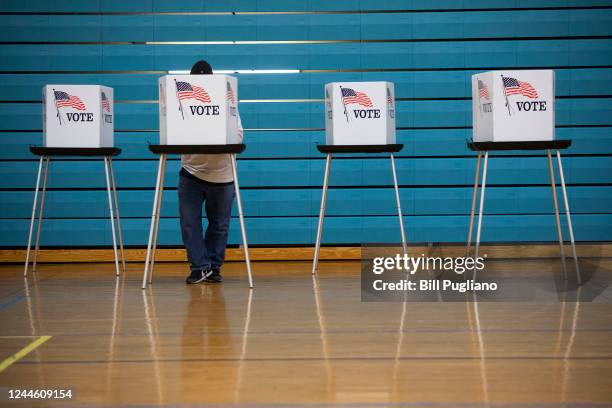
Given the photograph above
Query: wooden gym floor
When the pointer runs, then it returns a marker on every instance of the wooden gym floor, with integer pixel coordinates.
(294, 341)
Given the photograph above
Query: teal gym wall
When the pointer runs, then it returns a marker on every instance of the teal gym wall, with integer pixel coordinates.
(429, 49)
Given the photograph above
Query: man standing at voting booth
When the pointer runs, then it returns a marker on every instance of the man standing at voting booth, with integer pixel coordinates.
(205, 180)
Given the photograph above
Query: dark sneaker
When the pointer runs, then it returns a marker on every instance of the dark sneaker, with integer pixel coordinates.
(214, 277)
(198, 275)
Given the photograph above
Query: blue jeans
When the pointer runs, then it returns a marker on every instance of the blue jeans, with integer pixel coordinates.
(204, 250)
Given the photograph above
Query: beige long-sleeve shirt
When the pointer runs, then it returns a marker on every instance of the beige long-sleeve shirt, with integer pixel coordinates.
(214, 168)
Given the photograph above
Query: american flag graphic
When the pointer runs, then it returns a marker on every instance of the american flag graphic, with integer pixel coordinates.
(483, 90)
(185, 90)
(389, 97)
(515, 87)
(230, 93)
(105, 103)
(350, 96)
(63, 99)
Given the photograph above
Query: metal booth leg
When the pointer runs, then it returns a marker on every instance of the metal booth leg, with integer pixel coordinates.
(111, 212)
(40, 213)
(34, 204)
(315, 261)
(114, 187)
(154, 214)
(156, 231)
(241, 216)
(569, 219)
(481, 206)
(399, 206)
(474, 195)
(553, 184)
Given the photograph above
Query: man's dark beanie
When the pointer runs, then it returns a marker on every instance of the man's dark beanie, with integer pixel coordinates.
(201, 68)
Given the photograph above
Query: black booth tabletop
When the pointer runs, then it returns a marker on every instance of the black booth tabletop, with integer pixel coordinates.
(386, 148)
(198, 149)
(527, 145)
(75, 151)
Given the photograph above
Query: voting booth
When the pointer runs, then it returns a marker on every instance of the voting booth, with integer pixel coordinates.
(78, 116)
(359, 118)
(359, 113)
(77, 121)
(513, 106)
(198, 114)
(198, 109)
(515, 110)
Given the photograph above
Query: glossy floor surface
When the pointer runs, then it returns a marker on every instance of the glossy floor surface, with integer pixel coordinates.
(293, 342)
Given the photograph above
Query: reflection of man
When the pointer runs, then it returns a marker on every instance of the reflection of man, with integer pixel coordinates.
(206, 180)
(206, 337)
